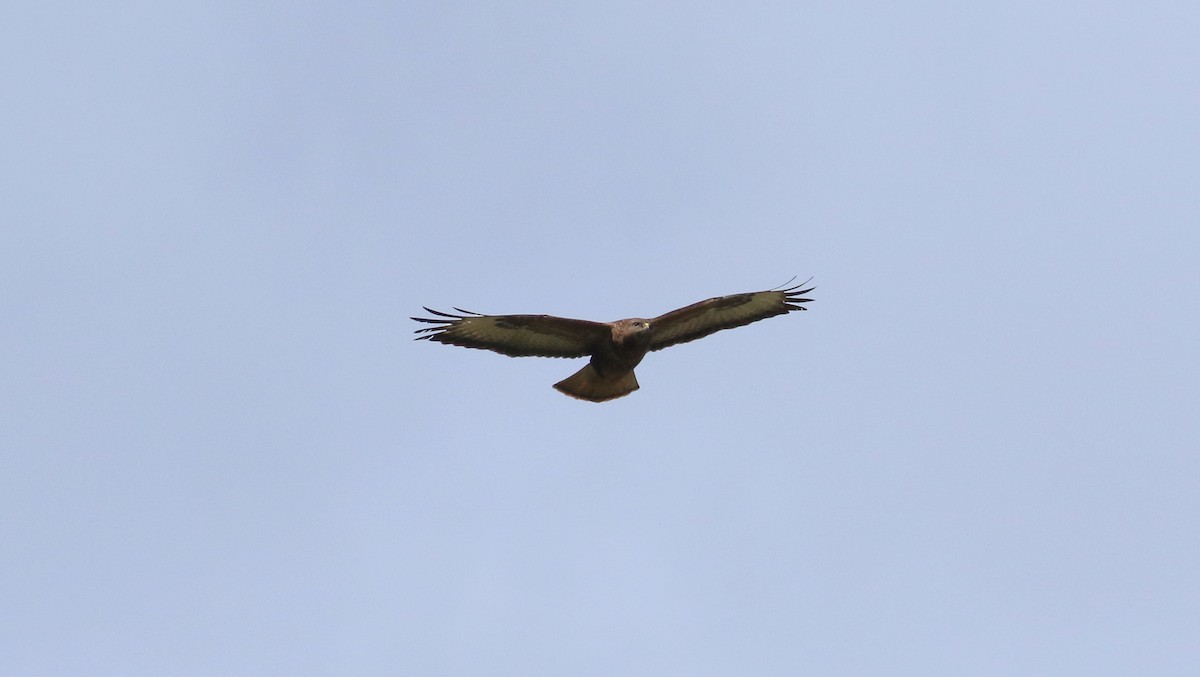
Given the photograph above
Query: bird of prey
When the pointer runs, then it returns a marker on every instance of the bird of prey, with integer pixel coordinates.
(615, 348)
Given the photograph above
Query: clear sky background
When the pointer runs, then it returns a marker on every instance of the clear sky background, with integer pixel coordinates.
(976, 454)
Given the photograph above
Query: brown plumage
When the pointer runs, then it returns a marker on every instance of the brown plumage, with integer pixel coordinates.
(615, 348)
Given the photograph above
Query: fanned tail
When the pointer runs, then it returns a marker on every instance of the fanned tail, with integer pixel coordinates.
(587, 384)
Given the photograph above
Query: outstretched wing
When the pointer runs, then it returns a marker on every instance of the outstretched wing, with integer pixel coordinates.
(724, 312)
(515, 335)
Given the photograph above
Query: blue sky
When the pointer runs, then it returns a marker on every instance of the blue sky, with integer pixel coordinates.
(224, 455)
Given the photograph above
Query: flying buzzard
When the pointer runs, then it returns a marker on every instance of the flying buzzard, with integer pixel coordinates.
(615, 348)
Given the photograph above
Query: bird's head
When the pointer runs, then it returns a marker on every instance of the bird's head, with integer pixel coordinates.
(633, 330)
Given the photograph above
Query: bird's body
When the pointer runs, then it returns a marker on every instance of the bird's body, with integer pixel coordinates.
(615, 348)
(609, 373)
